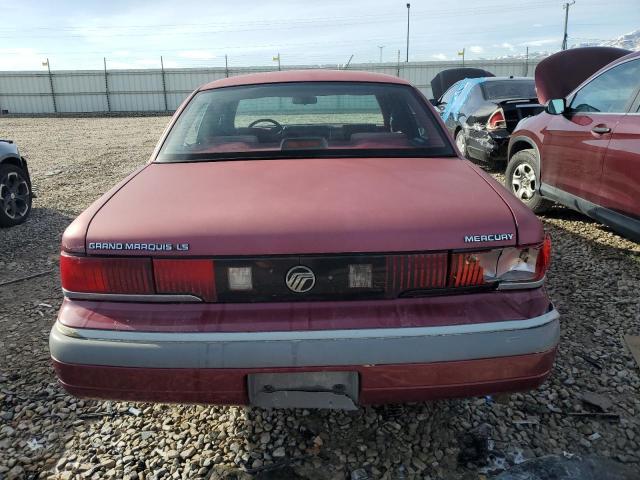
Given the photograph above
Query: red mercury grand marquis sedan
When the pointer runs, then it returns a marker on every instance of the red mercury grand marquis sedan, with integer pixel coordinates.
(304, 239)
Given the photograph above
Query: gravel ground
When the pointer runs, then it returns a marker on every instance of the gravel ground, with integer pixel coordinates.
(45, 433)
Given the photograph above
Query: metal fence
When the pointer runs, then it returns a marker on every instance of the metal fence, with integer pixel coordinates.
(163, 90)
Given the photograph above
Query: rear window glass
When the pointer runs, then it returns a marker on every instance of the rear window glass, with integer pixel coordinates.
(495, 89)
(305, 118)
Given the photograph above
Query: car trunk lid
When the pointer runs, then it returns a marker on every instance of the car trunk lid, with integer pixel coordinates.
(517, 109)
(303, 206)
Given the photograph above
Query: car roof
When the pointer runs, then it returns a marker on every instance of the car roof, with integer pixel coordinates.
(316, 75)
(629, 56)
(480, 80)
(493, 79)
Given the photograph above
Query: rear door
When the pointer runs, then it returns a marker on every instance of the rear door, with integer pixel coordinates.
(574, 144)
(621, 176)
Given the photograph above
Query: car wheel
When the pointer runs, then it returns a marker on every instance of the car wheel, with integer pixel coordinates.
(15, 195)
(461, 143)
(521, 178)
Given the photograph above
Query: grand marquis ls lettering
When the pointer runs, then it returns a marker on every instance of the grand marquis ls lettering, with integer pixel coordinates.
(324, 262)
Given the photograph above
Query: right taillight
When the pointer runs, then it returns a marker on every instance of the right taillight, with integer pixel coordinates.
(511, 264)
(106, 275)
(544, 257)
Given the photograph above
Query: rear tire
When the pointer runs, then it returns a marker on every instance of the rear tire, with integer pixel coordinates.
(522, 179)
(15, 195)
(461, 143)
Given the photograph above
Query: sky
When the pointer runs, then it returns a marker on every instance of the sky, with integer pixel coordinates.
(78, 34)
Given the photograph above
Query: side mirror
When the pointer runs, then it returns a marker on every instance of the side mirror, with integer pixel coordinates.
(557, 106)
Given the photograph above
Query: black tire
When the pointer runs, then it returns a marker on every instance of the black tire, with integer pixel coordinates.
(522, 179)
(461, 143)
(15, 195)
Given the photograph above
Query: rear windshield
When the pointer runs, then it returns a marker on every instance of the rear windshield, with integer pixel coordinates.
(305, 119)
(497, 89)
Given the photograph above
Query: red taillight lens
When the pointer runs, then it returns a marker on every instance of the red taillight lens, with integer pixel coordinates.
(186, 276)
(466, 270)
(496, 120)
(544, 258)
(106, 275)
(410, 272)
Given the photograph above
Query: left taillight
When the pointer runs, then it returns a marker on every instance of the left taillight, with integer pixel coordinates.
(185, 276)
(106, 275)
(138, 276)
(496, 120)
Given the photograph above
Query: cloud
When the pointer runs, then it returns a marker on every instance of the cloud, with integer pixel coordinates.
(508, 46)
(476, 49)
(197, 55)
(540, 42)
(139, 63)
(439, 56)
(22, 59)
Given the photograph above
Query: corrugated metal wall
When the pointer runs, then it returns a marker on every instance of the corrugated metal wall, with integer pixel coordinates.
(88, 91)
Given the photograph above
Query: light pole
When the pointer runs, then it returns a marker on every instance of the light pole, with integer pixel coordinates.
(566, 22)
(380, 47)
(408, 12)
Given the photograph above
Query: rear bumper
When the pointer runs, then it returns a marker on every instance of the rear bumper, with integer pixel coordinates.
(379, 384)
(394, 364)
(488, 146)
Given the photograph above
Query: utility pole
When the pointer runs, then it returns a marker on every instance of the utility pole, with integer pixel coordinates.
(566, 22)
(106, 84)
(53, 93)
(408, 11)
(347, 65)
(164, 85)
(226, 65)
(380, 47)
(526, 63)
(398, 67)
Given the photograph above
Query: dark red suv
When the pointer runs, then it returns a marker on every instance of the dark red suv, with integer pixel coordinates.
(583, 151)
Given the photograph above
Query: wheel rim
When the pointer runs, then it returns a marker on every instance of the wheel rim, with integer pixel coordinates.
(14, 195)
(461, 142)
(523, 182)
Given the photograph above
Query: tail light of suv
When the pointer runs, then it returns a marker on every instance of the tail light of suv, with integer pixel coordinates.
(339, 277)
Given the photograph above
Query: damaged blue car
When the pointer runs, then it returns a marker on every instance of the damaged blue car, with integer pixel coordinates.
(481, 110)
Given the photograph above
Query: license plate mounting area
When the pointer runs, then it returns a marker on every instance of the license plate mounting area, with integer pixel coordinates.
(332, 390)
